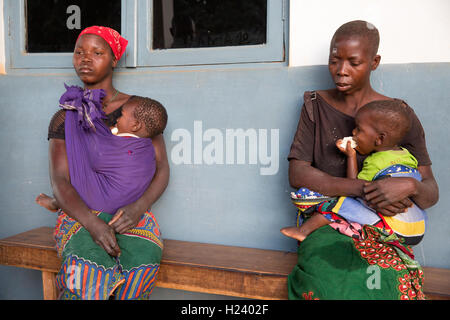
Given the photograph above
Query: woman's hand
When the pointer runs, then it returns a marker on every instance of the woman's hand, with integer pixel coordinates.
(126, 218)
(104, 236)
(389, 196)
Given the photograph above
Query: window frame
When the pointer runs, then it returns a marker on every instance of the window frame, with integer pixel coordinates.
(136, 20)
(271, 51)
(18, 58)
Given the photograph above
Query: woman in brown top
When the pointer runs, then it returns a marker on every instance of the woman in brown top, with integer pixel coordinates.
(316, 163)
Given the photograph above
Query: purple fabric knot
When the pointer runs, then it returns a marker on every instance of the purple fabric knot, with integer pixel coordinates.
(88, 104)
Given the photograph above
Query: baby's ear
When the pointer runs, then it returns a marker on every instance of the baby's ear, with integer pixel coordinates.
(137, 125)
(380, 139)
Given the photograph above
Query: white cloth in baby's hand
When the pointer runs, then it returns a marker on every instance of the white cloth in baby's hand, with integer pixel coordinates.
(345, 140)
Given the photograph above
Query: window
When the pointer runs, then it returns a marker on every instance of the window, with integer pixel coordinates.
(54, 25)
(213, 32)
(208, 23)
(42, 33)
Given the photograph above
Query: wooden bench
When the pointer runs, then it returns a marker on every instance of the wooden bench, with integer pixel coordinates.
(191, 266)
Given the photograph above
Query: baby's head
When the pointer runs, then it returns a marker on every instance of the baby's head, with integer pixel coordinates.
(143, 117)
(380, 125)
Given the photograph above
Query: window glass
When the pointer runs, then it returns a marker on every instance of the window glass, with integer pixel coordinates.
(54, 25)
(208, 23)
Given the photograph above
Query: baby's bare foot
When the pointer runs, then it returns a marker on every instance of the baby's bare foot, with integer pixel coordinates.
(293, 232)
(47, 202)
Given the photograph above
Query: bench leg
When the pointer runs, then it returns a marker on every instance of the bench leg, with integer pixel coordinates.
(49, 285)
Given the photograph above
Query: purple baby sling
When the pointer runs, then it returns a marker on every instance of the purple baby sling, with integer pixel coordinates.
(107, 171)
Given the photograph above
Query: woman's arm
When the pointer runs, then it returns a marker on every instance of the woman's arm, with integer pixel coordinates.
(426, 192)
(302, 174)
(384, 192)
(161, 178)
(127, 217)
(71, 203)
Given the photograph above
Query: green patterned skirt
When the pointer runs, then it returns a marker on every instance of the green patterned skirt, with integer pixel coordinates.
(332, 265)
(88, 272)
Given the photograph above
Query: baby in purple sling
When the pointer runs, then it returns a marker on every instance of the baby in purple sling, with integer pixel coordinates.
(124, 171)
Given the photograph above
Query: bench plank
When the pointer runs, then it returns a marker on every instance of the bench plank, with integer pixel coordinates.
(216, 256)
(223, 282)
(34, 249)
(191, 266)
(437, 282)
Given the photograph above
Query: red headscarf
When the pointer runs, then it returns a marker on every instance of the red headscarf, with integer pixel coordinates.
(117, 43)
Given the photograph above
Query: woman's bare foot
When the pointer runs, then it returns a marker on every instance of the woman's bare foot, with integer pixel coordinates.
(47, 202)
(294, 232)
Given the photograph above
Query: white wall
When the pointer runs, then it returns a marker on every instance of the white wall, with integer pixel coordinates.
(410, 30)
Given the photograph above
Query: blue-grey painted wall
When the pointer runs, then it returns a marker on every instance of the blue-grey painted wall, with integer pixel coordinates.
(224, 204)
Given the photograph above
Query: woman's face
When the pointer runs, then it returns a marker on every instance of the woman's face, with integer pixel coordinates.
(350, 63)
(364, 133)
(93, 59)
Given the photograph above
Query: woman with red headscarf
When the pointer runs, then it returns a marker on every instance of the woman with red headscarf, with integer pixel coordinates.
(114, 253)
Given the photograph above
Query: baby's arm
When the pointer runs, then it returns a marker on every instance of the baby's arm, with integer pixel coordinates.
(352, 167)
(352, 164)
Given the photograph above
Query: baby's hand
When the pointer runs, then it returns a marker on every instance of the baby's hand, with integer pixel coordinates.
(347, 150)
